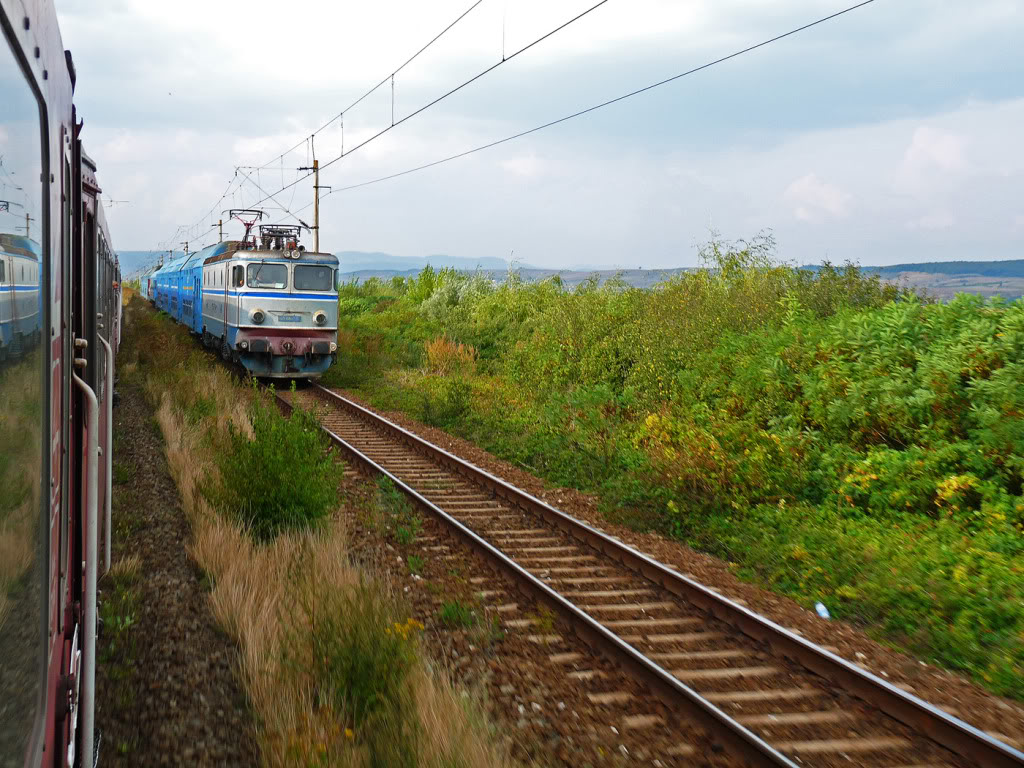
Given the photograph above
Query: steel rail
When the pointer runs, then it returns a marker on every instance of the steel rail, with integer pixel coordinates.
(678, 696)
(951, 732)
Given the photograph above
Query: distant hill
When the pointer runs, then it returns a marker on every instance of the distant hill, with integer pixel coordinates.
(638, 278)
(355, 261)
(133, 262)
(945, 279)
(939, 279)
(1004, 269)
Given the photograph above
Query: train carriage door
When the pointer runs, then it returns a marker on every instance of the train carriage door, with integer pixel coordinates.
(237, 284)
(197, 301)
(6, 303)
(224, 279)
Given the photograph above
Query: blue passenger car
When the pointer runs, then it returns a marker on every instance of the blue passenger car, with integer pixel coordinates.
(20, 299)
(265, 303)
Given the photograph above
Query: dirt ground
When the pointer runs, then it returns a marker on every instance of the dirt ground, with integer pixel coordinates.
(172, 698)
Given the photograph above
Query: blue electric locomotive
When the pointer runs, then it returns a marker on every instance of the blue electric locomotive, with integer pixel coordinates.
(265, 303)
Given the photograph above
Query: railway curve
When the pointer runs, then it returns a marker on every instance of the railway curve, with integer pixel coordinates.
(762, 692)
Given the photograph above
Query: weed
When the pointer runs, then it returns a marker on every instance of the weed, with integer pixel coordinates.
(396, 512)
(456, 614)
(118, 612)
(415, 564)
(122, 475)
(543, 619)
(488, 633)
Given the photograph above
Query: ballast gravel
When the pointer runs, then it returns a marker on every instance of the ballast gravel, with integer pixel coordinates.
(179, 702)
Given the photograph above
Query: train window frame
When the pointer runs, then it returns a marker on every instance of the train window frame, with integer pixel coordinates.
(34, 746)
(295, 279)
(258, 267)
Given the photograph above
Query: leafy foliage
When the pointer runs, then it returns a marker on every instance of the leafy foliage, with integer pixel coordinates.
(835, 437)
(282, 478)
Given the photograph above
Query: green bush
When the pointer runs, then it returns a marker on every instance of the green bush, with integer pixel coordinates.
(449, 407)
(284, 478)
(818, 428)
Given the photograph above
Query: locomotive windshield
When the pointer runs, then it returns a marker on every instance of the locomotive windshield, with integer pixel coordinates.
(268, 275)
(313, 277)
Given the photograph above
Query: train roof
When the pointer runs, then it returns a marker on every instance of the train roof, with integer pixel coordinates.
(19, 245)
(303, 257)
(235, 249)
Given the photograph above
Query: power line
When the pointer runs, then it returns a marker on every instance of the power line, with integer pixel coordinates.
(390, 77)
(602, 105)
(305, 140)
(444, 96)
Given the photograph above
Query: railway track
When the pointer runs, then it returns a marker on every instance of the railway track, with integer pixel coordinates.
(759, 690)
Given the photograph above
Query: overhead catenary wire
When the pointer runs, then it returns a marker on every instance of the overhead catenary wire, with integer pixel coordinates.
(340, 116)
(390, 77)
(445, 95)
(596, 107)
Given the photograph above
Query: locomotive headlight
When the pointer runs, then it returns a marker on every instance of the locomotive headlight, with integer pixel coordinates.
(243, 344)
(334, 347)
(320, 318)
(258, 316)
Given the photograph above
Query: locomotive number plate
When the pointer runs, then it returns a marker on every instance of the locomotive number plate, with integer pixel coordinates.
(290, 318)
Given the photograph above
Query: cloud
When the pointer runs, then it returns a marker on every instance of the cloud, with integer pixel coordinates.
(526, 166)
(937, 221)
(811, 195)
(904, 111)
(932, 148)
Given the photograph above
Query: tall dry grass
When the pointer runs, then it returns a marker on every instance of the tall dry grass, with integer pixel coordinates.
(19, 473)
(256, 588)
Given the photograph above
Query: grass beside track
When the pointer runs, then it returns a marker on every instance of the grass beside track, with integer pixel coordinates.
(832, 437)
(330, 659)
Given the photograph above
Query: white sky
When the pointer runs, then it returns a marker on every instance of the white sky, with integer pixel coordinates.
(891, 134)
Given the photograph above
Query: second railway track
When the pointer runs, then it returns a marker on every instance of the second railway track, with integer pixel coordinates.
(759, 690)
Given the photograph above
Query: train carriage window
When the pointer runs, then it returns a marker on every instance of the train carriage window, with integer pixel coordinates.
(268, 275)
(313, 277)
(24, 537)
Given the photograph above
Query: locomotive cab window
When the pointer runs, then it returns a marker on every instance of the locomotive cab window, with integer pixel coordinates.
(24, 524)
(238, 276)
(313, 277)
(268, 275)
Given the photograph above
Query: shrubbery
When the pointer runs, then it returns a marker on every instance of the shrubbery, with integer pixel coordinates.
(836, 437)
(282, 477)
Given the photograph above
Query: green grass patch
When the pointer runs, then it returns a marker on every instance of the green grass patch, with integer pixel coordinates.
(456, 614)
(396, 515)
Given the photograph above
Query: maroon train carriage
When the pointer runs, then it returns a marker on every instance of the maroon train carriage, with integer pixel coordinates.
(60, 293)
